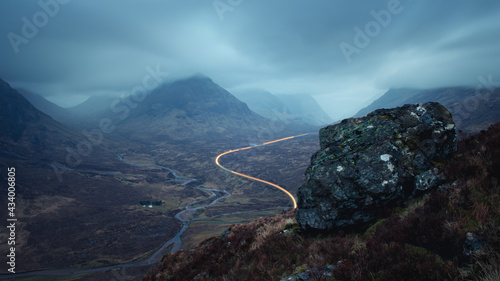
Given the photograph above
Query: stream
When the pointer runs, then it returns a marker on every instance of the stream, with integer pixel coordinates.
(185, 216)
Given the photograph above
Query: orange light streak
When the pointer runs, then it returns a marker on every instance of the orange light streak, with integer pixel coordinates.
(271, 184)
(269, 142)
(254, 178)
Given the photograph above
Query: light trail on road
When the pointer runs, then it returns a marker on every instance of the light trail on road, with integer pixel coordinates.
(254, 178)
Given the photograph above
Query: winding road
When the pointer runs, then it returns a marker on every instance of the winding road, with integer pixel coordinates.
(185, 216)
(254, 178)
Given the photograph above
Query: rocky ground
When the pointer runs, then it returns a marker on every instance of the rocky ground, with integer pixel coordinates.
(451, 233)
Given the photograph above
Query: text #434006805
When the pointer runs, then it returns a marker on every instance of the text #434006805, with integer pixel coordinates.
(11, 220)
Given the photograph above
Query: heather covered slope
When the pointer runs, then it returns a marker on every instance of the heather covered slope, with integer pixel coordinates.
(451, 234)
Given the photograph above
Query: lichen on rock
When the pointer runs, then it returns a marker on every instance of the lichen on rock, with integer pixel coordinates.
(378, 161)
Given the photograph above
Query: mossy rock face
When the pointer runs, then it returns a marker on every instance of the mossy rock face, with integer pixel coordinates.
(378, 161)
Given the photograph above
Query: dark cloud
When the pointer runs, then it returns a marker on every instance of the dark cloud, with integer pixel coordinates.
(103, 47)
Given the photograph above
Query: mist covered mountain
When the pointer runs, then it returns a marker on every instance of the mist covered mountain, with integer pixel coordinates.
(392, 98)
(185, 109)
(262, 102)
(472, 109)
(306, 108)
(60, 114)
(84, 115)
(92, 110)
(299, 108)
(189, 108)
(25, 129)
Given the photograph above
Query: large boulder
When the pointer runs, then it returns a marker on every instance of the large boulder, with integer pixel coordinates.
(374, 163)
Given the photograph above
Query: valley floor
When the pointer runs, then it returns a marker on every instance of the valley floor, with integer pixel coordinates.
(115, 234)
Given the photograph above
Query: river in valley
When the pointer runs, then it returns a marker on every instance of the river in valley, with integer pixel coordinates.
(186, 216)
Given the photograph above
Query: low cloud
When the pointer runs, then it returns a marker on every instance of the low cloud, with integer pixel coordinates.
(95, 47)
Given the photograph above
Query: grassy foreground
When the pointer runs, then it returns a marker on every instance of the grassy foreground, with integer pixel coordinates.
(450, 234)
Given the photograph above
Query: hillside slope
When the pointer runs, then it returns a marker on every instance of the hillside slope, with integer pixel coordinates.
(189, 109)
(473, 110)
(451, 234)
(298, 109)
(58, 113)
(27, 131)
(306, 108)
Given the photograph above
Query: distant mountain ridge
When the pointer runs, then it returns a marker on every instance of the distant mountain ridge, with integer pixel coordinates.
(85, 114)
(306, 108)
(185, 109)
(25, 130)
(261, 102)
(472, 109)
(60, 114)
(299, 108)
(191, 108)
(93, 109)
(392, 98)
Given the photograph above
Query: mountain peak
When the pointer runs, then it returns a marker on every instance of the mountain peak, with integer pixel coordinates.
(195, 90)
(195, 77)
(193, 106)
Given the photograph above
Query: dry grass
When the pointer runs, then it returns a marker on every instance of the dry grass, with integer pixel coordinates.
(422, 242)
(268, 229)
(419, 203)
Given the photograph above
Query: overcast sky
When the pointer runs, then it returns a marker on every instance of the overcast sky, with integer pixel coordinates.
(344, 53)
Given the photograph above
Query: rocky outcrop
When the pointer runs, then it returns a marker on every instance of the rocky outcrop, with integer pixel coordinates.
(372, 163)
(473, 109)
